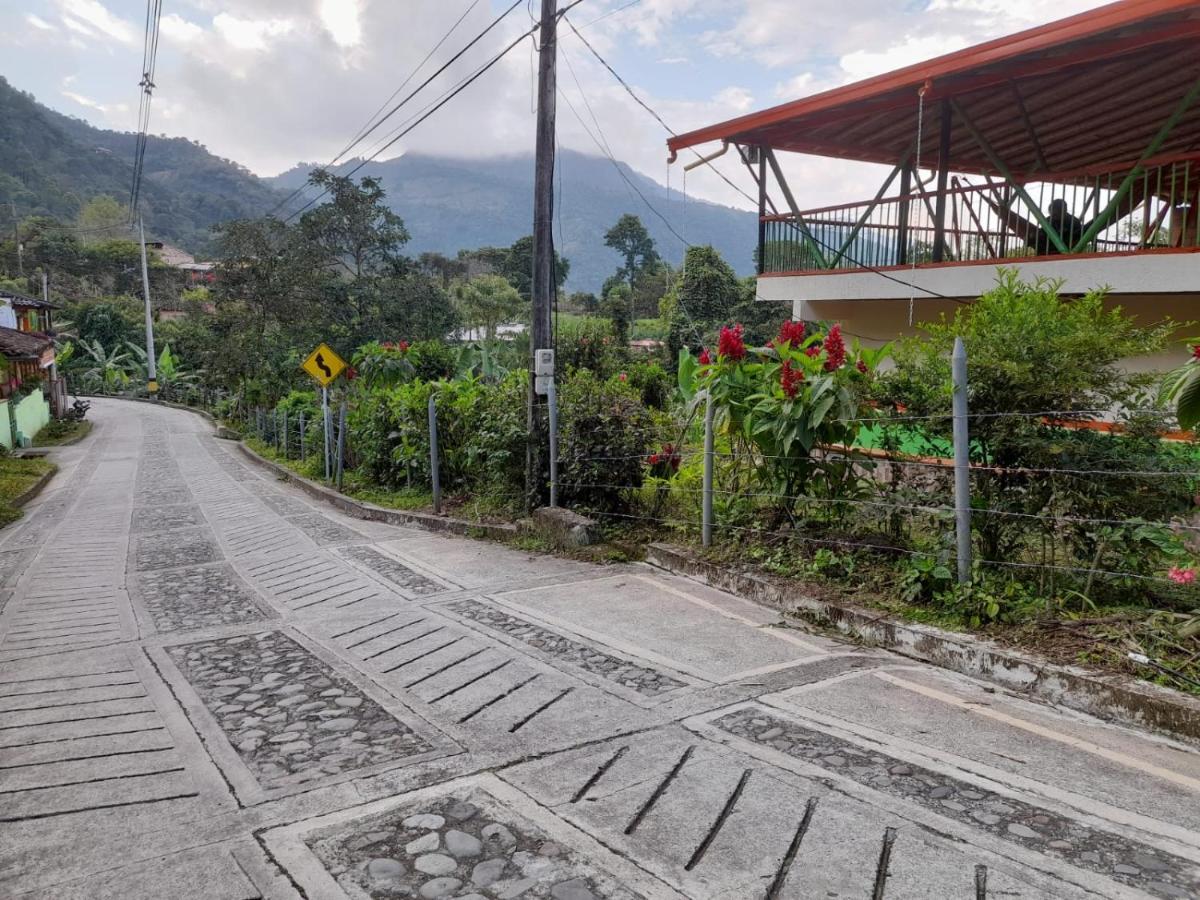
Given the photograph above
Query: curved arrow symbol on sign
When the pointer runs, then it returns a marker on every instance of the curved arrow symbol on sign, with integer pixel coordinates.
(323, 366)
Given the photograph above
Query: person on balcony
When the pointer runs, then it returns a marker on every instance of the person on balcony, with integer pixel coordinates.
(1037, 238)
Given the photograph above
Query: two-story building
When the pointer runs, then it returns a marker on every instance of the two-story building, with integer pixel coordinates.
(1069, 151)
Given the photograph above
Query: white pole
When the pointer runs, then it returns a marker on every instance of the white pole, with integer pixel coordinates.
(435, 475)
(325, 426)
(962, 462)
(707, 521)
(552, 400)
(151, 368)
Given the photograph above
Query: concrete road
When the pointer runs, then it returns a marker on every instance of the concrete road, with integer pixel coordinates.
(212, 688)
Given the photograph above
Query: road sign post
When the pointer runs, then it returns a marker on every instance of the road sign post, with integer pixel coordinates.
(324, 366)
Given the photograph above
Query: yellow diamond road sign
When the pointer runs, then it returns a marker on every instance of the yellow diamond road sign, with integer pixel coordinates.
(324, 365)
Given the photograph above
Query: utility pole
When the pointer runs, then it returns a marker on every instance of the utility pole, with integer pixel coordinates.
(543, 246)
(151, 367)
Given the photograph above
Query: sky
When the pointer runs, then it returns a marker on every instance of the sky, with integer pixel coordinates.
(271, 83)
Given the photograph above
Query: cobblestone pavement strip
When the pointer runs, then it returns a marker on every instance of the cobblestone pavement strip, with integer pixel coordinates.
(212, 686)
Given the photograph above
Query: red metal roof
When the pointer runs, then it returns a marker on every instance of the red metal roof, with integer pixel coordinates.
(1081, 93)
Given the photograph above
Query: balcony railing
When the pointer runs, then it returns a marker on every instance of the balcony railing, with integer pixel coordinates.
(1089, 214)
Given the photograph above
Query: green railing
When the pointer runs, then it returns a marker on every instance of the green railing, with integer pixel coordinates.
(993, 221)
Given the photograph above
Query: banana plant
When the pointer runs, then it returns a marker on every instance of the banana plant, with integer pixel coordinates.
(1181, 388)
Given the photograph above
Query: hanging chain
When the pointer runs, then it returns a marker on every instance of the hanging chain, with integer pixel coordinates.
(912, 289)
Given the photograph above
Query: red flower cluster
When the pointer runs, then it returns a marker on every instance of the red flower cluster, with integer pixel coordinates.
(792, 333)
(789, 379)
(389, 345)
(835, 348)
(704, 358)
(668, 454)
(1196, 352)
(861, 366)
(351, 373)
(731, 345)
(813, 350)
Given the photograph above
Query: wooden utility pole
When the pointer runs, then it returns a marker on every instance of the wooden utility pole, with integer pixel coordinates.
(543, 247)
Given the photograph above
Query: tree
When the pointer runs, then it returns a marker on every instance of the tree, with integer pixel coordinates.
(630, 238)
(102, 219)
(442, 267)
(488, 302)
(355, 230)
(517, 267)
(616, 306)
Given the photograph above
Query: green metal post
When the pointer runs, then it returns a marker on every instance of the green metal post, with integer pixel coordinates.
(1010, 179)
(800, 224)
(1102, 220)
(862, 220)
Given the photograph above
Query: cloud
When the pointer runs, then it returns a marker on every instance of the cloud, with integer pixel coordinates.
(340, 18)
(92, 18)
(250, 34)
(89, 103)
(37, 22)
(179, 30)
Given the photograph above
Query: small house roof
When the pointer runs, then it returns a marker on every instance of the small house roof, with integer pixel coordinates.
(20, 301)
(22, 344)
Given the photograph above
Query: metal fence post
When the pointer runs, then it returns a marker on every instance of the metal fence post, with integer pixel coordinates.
(552, 401)
(341, 444)
(707, 521)
(435, 475)
(962, 462)
(325, 422)
(301, 437)
(285, 434)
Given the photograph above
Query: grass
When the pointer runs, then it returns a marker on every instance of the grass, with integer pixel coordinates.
(641, 329)
(61, 431)
(16, 477)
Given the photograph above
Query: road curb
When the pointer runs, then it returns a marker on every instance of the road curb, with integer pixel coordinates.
(372, 513)
(1111, 697)
(34, 489)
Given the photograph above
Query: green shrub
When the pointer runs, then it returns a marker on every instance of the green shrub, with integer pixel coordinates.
(432, 360)
(587, 344)
(605, 437)
(652, 382)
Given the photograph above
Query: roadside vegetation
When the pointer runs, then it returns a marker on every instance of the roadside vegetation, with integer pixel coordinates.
(830, 457)
(17, 476)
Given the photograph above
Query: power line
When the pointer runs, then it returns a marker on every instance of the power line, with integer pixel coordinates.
(374, 121)
(147, 84)
(629, 90)
(430, 110)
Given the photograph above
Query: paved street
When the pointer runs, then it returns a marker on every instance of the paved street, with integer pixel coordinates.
(211, 687)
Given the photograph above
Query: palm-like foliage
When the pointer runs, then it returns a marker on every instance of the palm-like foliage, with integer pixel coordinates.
(1182, 388)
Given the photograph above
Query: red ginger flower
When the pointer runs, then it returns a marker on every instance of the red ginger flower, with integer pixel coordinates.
(792, 333)
(861, 366)
(704, 359)
(789, 379)
(835, 348)
(1196, 352)
(1181, 576)
(813, 350)
(730, 345)
(403, 346)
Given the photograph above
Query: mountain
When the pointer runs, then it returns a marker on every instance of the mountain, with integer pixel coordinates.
(451, 204)
(51, 164)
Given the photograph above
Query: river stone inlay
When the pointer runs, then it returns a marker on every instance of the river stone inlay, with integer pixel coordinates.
(175, 548)
(170, 496)
(1035, 828)
(199, 597)
(393, 570)
(642, 679)
(324, 531)
(277, 704)
(458, 848)
(165, 518)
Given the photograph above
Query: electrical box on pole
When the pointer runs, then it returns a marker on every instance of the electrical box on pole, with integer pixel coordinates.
(543, 371)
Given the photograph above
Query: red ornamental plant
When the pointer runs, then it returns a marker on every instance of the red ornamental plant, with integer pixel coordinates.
(704, 358)
(789, 379)
(665, 462)
(790, 332)
(835, 348)
(731, 345)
